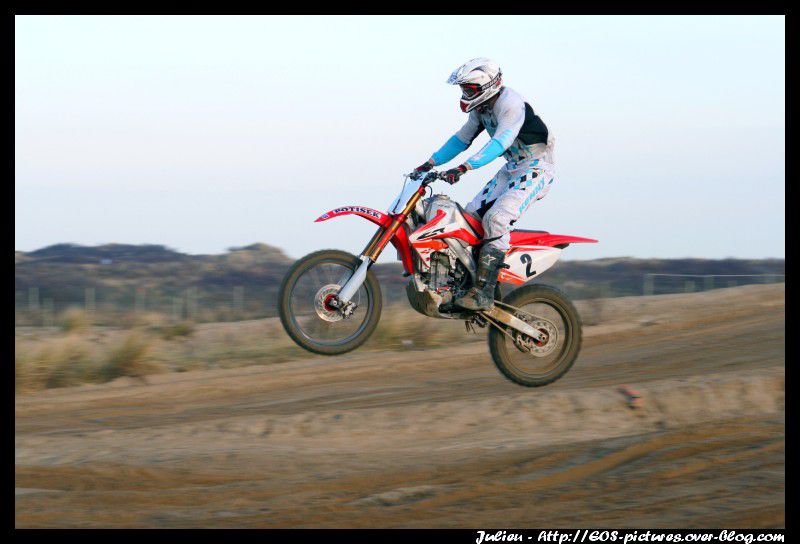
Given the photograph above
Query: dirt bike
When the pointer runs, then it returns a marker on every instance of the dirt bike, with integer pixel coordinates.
(330, 301)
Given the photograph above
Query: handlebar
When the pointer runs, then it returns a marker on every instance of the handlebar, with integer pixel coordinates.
(427, 177)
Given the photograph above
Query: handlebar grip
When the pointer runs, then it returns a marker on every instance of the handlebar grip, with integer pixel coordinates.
(427, 177)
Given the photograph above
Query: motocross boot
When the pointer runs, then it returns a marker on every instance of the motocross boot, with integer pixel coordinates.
(481, 296)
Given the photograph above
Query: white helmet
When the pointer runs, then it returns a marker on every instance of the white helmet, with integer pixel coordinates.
(480, 79)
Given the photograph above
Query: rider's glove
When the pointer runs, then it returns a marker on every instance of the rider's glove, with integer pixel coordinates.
(424, 167)
(452, 175)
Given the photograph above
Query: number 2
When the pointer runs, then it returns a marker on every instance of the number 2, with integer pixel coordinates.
(525, 258)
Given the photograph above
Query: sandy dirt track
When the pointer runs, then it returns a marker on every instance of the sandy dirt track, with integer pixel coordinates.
(436, 438)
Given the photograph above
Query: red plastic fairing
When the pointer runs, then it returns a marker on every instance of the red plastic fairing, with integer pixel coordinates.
(474, 223)
(522, 238)
(438, 217)
(509, 277)
(399, 241)
(462, 234)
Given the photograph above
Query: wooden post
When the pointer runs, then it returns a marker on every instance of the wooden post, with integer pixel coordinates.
(238, 301)
(177, 309)
(33, 299)
(139, 300)
(647, 289)
(48, 313)
(191, 302)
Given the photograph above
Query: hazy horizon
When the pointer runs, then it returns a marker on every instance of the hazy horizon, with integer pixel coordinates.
(202, 133)
(390, 252)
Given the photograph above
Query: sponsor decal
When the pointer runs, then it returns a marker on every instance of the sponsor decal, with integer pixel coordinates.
(358, 209)
(428, 234)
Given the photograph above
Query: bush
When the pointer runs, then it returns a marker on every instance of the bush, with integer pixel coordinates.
(132, 320)
(183, 328)
(403, 328)
(128, 359)
(58, 363)
(74, 320)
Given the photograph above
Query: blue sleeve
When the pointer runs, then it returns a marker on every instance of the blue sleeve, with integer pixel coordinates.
(448, 151)
(490, 152)
(494, 148)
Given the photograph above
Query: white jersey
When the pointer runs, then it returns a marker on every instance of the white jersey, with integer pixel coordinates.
(512, 122)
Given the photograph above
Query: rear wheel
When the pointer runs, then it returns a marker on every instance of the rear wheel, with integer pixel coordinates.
(526, 361)
(305, 310)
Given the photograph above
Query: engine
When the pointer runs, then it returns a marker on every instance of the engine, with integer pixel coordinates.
(435, 285)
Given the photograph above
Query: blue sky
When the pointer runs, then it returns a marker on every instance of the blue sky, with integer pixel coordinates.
(203, 133)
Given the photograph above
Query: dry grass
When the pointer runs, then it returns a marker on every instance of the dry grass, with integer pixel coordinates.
(143, 344)
(55, 362)
(133, 320)
(182, 328)
(74, 320)
(401, 327)
(63, 361)
(128, 359)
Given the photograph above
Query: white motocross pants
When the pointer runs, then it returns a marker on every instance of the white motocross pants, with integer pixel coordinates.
(507, 196)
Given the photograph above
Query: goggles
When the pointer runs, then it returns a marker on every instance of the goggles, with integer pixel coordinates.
(470, 90)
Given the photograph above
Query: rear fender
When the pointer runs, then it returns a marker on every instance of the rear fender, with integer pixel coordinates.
(527, 262)
(530, 238)
(399, 240)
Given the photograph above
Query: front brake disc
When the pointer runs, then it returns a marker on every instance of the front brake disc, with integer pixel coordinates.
(322, 305)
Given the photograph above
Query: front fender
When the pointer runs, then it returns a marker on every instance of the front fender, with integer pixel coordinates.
(399, 240)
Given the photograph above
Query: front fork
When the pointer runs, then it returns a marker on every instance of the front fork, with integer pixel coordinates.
(370, 255)
(349, 289)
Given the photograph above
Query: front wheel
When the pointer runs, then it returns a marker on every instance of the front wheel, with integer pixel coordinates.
(305, 312)
(526, 361)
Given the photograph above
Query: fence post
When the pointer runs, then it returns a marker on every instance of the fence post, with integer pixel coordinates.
(647, 288)
(139, 300)
(89, 303)
(191, 302)
(177, 308)
(33, 299)
(48, 317)
(238, 300)
(708, 283)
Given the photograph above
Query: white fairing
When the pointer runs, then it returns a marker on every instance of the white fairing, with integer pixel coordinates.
(452, 221)
(529, 262)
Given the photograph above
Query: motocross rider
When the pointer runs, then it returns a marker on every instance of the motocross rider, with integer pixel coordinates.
(522, 138)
